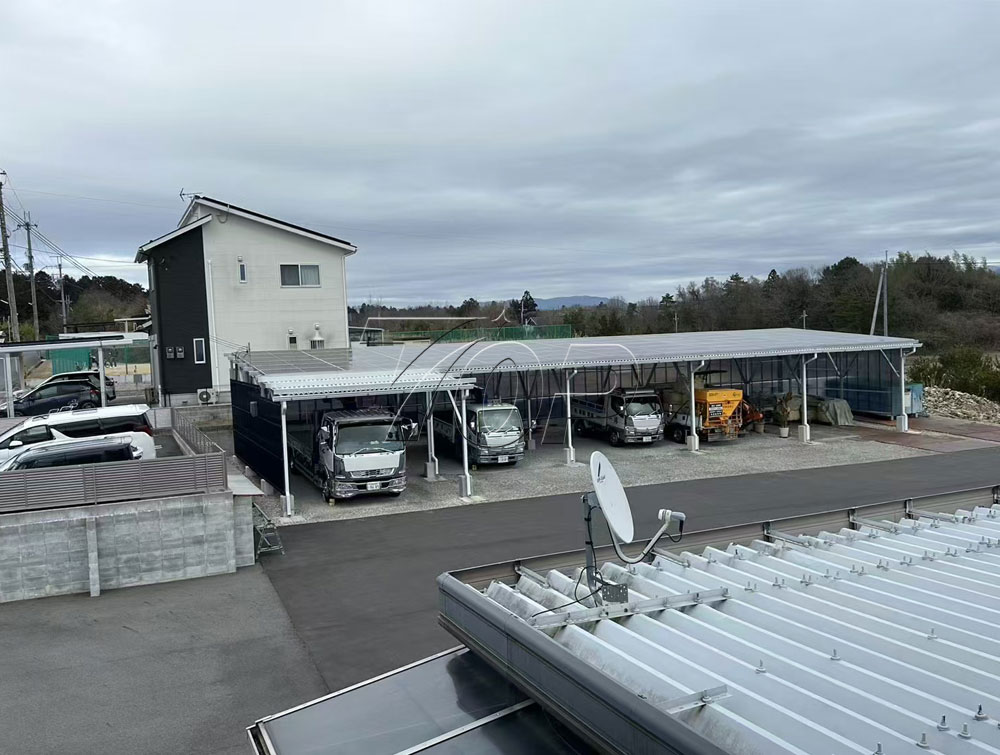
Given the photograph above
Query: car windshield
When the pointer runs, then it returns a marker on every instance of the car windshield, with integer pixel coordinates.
(642, 406)
(376, 437)
(497, 420)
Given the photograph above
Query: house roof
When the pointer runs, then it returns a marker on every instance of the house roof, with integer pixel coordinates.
(145, 249)
(227, 207)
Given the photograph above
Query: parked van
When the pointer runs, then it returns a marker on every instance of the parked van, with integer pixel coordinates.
(623, 416)
(494, 430)
(130, 420)
(66, 453)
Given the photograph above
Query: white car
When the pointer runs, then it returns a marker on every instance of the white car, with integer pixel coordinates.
(130, 420)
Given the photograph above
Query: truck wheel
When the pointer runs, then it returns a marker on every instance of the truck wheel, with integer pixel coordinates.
(579, 427)
(677, 434)
(615, 438)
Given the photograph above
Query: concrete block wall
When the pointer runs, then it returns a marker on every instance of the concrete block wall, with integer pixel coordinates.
(135, 543)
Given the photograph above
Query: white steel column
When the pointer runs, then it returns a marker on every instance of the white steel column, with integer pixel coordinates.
(9, 380)
(570, 451)
(465, 488)
(431, 467)
(804, 430)
(100, 375)
(693, 441)
(529, 443)
(289, 498)
(903, 420)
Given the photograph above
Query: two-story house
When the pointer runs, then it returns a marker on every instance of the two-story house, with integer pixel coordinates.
(228, 278)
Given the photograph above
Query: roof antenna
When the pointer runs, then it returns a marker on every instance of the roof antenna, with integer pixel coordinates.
(609, 496)
(188, 194)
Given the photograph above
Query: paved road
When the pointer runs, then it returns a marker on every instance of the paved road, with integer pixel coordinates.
(362, 596)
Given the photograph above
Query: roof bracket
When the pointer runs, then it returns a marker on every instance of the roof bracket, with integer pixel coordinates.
(860, 521)
(696, 699)
(620, 610)
(785, 537)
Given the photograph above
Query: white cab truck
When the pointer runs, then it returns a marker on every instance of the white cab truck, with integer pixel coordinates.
(623, 416)
(355, 452)
(494, 430)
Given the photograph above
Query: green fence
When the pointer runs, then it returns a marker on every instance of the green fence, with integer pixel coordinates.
(70, 360)
(515, 333)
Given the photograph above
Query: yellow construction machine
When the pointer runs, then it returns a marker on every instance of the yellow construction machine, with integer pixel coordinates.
(718, 412)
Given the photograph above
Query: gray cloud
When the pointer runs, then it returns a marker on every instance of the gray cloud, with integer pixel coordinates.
(483, 148)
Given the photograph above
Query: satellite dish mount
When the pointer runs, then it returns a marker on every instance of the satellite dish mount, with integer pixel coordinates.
(609, 496)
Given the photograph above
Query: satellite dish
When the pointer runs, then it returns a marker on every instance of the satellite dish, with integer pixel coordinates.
(611, 497)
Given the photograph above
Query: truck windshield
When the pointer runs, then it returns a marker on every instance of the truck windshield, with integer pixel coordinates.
(498, 420)
(354, 438)
(643, 406)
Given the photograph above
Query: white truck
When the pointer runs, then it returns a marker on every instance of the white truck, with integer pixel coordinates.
(494, 430)
(623, 416)
(354, 452)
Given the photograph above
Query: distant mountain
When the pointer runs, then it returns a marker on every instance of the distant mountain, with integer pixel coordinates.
(571, 301)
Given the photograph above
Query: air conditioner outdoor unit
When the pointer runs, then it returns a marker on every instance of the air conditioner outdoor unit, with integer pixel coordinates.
(208, 396)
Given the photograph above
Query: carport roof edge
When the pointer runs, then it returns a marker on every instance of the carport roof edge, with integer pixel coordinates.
(340, 367)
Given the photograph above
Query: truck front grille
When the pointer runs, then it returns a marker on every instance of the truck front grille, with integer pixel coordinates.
(364, 474)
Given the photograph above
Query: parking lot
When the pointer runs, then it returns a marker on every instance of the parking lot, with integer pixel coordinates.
(543, 472)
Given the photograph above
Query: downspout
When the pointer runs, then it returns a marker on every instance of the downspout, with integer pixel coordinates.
(570, 451)
(804, 430)
(692, 438)
(212, 345)
(903, 420)
(289, 500)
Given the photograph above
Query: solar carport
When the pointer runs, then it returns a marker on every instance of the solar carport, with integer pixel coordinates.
(542, 376)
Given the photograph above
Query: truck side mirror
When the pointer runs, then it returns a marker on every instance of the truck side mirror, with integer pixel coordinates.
(325, 437)
(411, 430)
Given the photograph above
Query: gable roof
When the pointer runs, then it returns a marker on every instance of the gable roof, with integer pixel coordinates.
(145, 249)
(258, 217)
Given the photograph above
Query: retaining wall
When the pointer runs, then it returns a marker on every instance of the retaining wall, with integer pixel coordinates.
(87, 549)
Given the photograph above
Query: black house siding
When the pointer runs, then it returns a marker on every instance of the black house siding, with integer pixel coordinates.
(180, 312)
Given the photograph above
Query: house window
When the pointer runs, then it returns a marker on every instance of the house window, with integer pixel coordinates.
(242, 270)
(199, 351)
(300, 275)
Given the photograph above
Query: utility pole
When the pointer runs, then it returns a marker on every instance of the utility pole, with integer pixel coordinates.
(62, 294)
(15, 328)
(675, 321)
(27, 225)
(804, 316)
(885, 296)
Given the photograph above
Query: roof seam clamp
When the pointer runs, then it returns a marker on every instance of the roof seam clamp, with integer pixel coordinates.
(696, 699)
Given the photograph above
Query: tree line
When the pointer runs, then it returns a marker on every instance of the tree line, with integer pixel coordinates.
(943, 301)
(90, 301)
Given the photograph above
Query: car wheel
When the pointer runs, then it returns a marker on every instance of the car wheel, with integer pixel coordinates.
(615, 438)
(86, 405)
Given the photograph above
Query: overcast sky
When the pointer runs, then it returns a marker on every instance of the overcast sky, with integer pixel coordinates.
(480, 148)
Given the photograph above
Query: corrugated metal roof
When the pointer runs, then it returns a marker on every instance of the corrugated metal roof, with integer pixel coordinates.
(306, 374)
(846, 642)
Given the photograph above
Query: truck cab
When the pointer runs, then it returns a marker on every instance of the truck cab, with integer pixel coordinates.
(623, 416)
(362, 451)
(494, 430)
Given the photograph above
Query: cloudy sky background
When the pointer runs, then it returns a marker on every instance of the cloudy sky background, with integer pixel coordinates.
(474, 148)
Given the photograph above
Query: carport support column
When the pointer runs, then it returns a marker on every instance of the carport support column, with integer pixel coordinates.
(570, 451)
(693, 441)
(289, 498)
(903, 420)
(100, 375)
(431, 467)
(465, 484)
(804, 429)
(9, 387)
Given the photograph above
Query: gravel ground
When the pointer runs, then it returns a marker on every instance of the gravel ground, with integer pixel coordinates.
(544, 472)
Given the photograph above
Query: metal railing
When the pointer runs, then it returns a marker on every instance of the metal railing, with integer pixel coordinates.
(192, 435)
(31, 489)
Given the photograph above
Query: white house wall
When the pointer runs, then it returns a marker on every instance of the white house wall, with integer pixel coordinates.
(260, 312)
